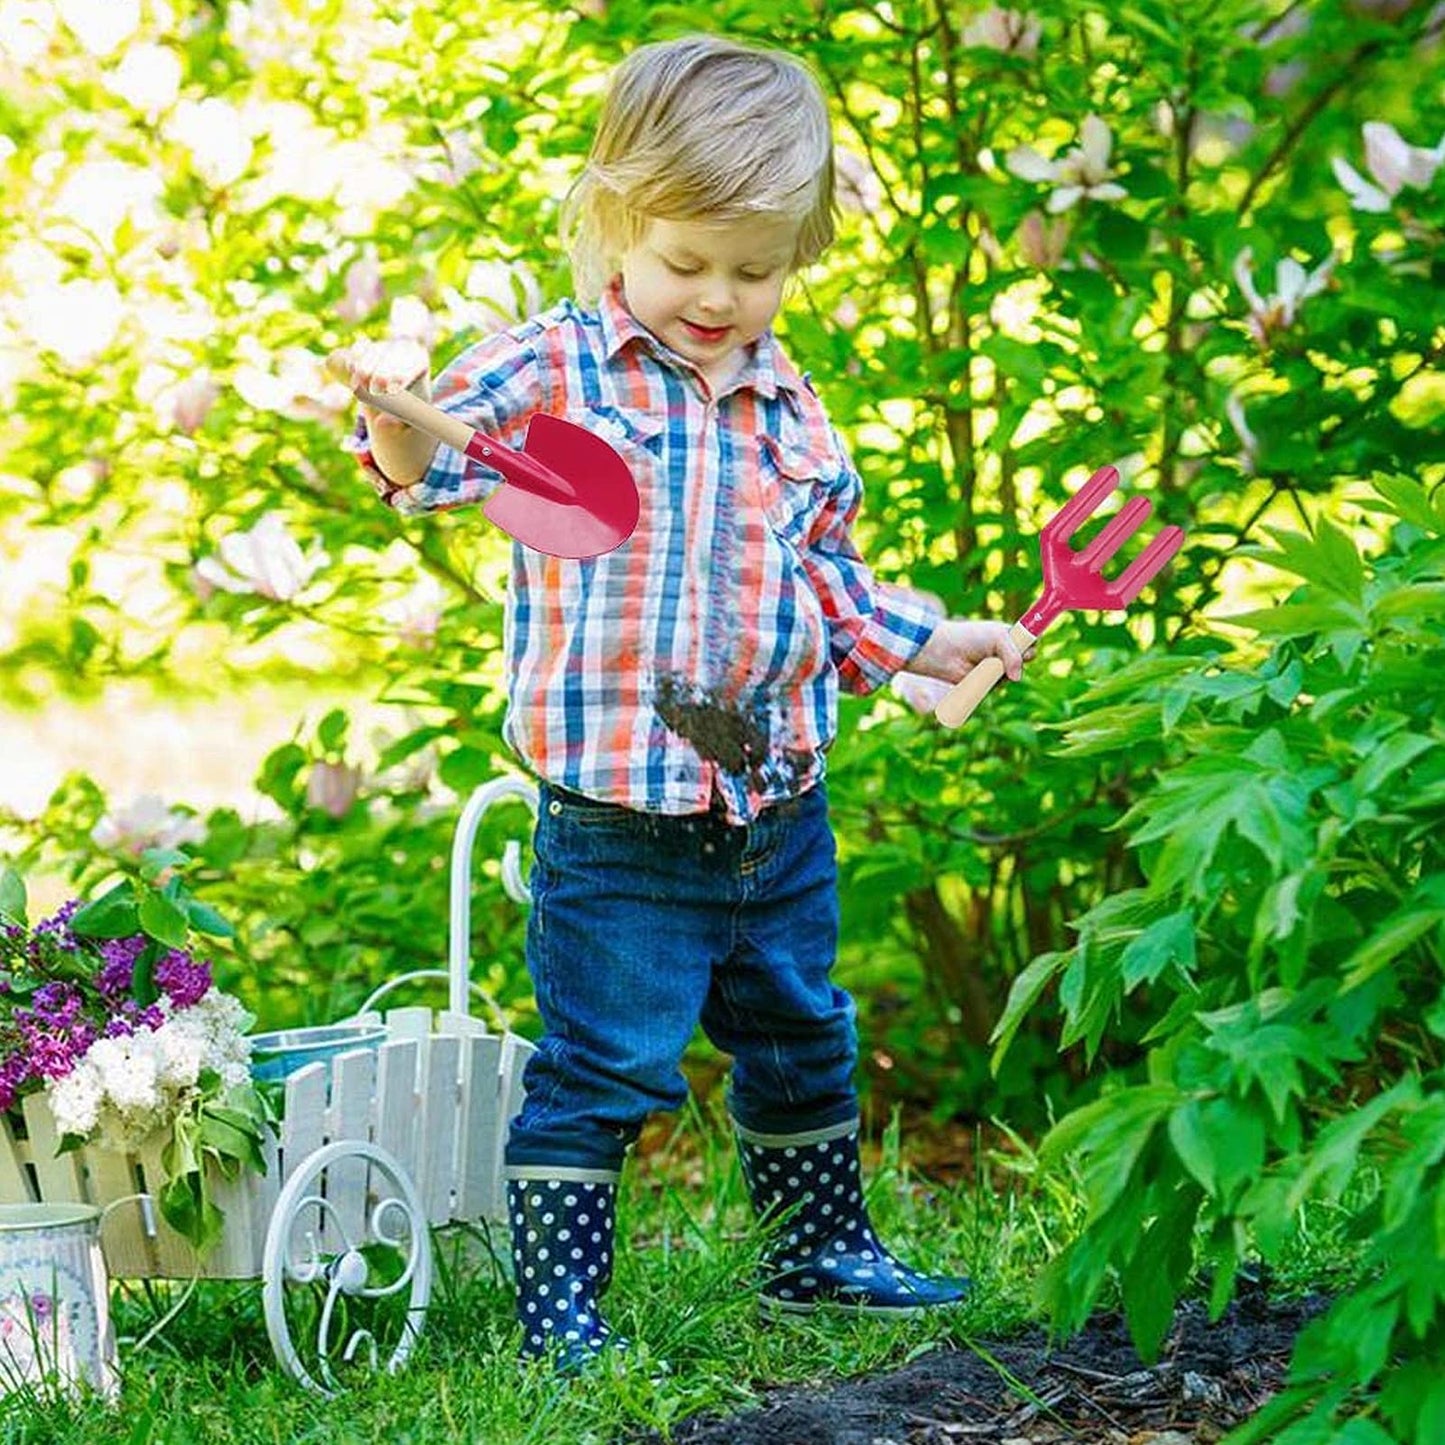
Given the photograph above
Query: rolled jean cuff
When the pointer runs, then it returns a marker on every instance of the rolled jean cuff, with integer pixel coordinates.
(563, 1173)
(593, 1152)
(793, 1130)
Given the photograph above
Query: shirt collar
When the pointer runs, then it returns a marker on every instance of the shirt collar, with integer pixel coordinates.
(767, 368)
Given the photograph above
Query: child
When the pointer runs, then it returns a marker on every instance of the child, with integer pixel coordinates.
(675, 698)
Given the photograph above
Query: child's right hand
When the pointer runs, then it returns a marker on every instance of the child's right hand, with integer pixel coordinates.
(384, 367)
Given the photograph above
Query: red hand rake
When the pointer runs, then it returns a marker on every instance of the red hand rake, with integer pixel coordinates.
(1073, 579)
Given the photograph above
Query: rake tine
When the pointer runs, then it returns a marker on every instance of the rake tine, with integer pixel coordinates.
(1071, 515)
(1150, 561)
(1111, 538)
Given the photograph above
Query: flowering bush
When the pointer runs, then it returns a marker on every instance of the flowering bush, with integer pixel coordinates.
(104, 1009)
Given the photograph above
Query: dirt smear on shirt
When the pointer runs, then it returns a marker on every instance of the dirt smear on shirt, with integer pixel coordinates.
(734, 732)
(735, 735)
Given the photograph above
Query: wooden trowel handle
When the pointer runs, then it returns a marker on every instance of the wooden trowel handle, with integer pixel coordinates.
(420, 414)
(957, 705)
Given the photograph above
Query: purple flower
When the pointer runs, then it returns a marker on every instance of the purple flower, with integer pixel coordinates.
(117, 971)
(183, 980)
(57, 1005)
(50, 1055)
(57, 927)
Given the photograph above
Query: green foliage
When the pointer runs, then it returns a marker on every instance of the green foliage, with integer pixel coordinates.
(1282, 960)
(1229, 329)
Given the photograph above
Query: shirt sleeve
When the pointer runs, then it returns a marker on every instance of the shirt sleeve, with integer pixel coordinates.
(875, 629)
(495, 386)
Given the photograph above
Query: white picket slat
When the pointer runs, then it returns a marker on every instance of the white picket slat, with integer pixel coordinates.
(353, 1081)
(59, 1174)
(439, 1128)
(129, 1231)
(303, 1121)
(481, 1111)
(398, 1102)
(16, 1186)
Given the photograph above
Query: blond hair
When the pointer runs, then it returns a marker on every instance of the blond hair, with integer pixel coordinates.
(701, 128)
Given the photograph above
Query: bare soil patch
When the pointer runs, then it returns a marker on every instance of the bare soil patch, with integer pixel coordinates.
(1023, 1391)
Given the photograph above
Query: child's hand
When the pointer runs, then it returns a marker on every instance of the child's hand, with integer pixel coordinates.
(384, 367)
(958, 645)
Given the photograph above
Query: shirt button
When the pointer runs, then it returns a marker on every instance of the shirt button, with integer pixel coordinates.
(555, 808)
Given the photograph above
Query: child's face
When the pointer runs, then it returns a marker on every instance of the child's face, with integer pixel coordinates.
(707, 288)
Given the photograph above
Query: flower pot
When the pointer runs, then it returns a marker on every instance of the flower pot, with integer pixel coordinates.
(275, 1055)
(55, 1333)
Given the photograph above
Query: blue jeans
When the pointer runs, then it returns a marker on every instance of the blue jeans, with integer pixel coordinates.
(643, 926)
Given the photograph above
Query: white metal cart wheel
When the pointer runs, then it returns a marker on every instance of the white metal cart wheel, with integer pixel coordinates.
(353, 1274)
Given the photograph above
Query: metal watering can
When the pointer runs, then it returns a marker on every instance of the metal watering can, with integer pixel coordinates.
(55, 1330)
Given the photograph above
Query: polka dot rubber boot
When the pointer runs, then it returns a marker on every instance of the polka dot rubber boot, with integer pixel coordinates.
(825, 1251)
(562, 1233)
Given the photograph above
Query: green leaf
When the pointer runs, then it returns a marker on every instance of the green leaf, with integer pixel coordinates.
(204, 919)
(112, 915)
(1220, 1142)
(158, 861)
(1166, 943)
(1333, 1159)
(1387, 941)
(1157, 1269)
(164, 920)
(1022, 995)
(1110, 1134)
(12, 896)
(1302, 619)
(1329, 559)
(1412, 502)
(331, 731)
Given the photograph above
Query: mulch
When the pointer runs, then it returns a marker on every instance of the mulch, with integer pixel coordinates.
(1023, 1391)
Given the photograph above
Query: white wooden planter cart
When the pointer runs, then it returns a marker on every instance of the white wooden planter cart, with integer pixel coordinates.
(377, 1146)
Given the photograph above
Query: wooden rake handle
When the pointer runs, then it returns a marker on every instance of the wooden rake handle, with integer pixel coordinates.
(957, 705)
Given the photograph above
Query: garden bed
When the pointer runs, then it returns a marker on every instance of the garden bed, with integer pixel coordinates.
(1020, 1391)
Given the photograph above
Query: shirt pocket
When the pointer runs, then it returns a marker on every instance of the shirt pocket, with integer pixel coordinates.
(625, 428)
(796, 479)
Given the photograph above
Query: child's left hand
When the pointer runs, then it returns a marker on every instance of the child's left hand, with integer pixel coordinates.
(959, 644)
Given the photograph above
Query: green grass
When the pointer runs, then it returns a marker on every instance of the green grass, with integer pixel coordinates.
(681, 1294)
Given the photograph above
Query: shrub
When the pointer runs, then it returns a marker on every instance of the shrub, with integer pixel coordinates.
(1282, 961)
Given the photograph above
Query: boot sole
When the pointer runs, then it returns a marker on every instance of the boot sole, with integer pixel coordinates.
(784, 1309)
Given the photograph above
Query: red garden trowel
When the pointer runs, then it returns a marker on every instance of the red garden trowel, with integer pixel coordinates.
(567, 492)
(1073, 579)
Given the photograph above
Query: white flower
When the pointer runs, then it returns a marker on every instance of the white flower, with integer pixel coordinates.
(332, 787)
(1042, 243)
(180, 1052)
(859, 188)
(266, 561)
(1012, 31)
(364, 289)
(417, 615)
(75, 1099)
(1293, 286)
(496, 294)
(1234, 410)
(293, 382)
(192, 400)
(128, 1070)
(1082, 174)
(1393, 164)
(145, 823)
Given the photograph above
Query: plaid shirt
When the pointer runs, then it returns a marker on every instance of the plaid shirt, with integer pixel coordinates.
(700, 662)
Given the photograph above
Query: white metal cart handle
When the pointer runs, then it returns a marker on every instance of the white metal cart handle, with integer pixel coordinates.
(459, 959)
